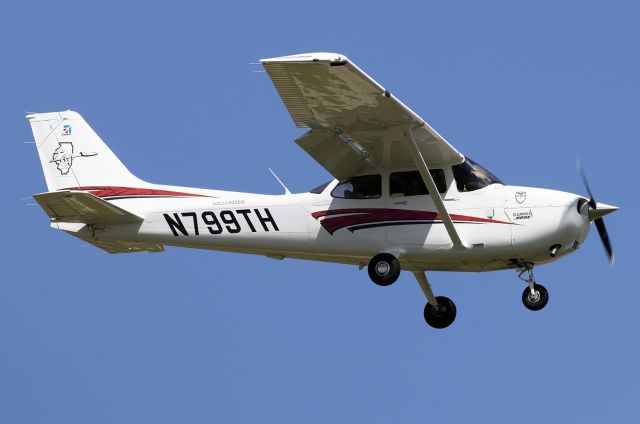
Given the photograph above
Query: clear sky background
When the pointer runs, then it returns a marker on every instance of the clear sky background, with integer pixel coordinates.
(201, 337)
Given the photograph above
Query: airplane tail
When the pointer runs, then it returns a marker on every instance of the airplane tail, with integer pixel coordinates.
(73, 155)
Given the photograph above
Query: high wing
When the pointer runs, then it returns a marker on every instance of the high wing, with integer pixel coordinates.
(355, 124)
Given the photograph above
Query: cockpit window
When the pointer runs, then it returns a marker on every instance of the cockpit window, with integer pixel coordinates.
(470, 176)
(320, 188)
(361, 187)
(410, 183)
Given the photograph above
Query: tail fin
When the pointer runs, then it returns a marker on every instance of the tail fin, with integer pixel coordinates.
(73, 155)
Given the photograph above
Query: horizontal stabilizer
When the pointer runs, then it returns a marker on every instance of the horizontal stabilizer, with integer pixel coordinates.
(121, 246)
(74, 206)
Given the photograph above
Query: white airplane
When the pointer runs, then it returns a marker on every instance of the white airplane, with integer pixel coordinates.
(402, 197)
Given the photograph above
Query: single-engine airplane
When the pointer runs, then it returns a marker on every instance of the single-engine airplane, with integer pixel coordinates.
(403, 198)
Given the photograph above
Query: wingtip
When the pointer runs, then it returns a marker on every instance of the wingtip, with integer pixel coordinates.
(307, 57)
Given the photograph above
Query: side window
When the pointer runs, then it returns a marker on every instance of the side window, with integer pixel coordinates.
(320, 188)
(410, 183)
(362, 187)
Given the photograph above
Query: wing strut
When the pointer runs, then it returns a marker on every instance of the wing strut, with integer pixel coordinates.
(433, 190)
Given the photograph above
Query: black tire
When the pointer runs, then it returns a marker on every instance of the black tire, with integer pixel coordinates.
(443, 316)
(384, 269)
(535, 303)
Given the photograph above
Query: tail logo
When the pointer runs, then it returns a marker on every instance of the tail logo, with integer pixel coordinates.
(63, 156)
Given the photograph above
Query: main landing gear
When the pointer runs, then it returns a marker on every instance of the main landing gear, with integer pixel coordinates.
(439, 312)
(384, 269)
(534, 297)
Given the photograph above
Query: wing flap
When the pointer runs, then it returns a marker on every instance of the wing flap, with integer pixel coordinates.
(82, 207)
(333, 154)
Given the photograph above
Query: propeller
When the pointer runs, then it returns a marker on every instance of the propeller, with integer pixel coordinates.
(596, 212)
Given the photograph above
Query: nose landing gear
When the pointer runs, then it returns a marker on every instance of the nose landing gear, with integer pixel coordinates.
(534, 297)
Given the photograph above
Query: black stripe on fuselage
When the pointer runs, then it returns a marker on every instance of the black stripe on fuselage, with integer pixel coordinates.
(390, 224)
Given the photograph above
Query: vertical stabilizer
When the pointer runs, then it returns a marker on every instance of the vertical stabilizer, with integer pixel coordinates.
(73, 155)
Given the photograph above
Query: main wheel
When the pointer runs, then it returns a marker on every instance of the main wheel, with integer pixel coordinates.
(443, 316)
(536, 300)
(384, 269)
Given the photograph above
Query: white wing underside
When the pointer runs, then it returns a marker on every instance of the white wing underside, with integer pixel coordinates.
(356, 125)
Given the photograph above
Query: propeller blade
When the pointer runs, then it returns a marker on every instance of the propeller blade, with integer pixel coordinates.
(596, 212)
(604, 236)
(592, 200)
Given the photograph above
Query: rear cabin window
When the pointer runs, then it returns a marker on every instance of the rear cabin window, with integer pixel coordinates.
(410, 183)
(470, 176)
(361, 187)
(320, 188)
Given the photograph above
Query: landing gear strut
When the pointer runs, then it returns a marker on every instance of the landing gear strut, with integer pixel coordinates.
(534, 297)
(439, 312)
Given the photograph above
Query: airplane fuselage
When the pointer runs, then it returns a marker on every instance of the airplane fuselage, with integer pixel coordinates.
(503, 225)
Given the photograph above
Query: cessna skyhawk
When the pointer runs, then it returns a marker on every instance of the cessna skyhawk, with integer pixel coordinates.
(403, 198)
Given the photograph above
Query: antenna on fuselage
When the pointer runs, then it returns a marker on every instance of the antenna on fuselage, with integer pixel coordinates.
(286, 190)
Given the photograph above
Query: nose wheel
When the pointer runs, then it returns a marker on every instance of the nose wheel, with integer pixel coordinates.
(535, 296)
(536, 299)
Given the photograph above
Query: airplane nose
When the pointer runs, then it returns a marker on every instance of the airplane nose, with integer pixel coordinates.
(600, 210)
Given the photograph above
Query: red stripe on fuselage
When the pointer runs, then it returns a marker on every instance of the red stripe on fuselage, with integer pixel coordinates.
(113, 191)
(351, 217)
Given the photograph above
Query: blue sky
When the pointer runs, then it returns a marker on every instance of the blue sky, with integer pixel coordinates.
(196, 336)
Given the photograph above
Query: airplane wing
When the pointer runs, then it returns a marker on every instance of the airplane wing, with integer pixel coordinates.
(355, 124)
(75, 206)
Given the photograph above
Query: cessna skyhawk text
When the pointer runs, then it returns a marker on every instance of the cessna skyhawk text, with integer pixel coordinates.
(403, 197)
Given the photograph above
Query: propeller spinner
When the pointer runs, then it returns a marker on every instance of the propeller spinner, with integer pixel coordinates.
(596, 212)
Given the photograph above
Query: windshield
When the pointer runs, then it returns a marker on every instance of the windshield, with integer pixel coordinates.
(470, 176)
